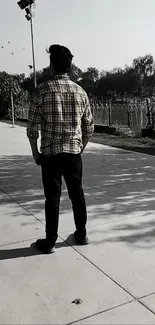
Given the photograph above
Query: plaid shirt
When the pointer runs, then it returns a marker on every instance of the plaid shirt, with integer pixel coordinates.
(62, 109)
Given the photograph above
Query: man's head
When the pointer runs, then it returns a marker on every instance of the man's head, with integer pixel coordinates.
(60, 58)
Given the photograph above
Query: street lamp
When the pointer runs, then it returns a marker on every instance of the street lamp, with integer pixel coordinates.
(27, 5)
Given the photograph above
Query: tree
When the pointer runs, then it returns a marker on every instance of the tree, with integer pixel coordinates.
(111, 84)
(130, 81)
(144, 67)
(9, 83)
(91, 74)
(89, 80)
(28, 83)
(45, 75)
(76, 73)
(135, 80)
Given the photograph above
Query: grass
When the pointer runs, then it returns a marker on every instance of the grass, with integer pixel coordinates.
(138, 144)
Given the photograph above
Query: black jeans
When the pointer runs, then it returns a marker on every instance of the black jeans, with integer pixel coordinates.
(53, 168)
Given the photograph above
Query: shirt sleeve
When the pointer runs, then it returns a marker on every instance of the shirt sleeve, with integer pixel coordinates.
(34, 117)
(87, 121)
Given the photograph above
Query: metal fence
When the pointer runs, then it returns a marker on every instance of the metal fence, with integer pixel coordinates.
(132, 114)
(22, 113)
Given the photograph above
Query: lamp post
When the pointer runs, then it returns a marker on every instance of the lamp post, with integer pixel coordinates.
(27, 5)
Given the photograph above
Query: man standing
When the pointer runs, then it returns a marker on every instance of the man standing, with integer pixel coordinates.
(62, 109)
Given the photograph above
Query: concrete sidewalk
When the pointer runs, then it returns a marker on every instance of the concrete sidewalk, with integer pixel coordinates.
(113, 276)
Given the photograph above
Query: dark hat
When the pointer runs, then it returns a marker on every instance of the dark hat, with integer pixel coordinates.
(60, 51)
(61, 57)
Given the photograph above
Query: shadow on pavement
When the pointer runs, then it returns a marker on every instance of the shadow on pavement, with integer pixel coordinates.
(7, 254)
(118, 184)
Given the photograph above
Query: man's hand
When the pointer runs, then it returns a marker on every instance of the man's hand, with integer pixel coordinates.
(37, 158)
(85, 142)
(35, 152)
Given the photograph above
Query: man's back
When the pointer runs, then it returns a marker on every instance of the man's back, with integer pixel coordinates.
(65, 115)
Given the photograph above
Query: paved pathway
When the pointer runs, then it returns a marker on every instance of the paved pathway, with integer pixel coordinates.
(113, 276)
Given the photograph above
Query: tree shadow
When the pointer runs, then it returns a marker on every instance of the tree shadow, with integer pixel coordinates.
(119, 185)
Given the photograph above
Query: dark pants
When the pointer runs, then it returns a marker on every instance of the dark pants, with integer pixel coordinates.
(53, 168)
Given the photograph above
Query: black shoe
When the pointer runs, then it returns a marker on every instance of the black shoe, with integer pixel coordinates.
(44, 247)
(81, 240)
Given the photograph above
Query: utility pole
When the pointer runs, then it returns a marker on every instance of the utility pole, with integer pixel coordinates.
(12, 109)
(33, 53)
(27, 5)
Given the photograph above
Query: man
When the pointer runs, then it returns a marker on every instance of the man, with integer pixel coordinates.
(62, 109)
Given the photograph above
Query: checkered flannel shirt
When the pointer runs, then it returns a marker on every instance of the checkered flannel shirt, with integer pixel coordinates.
(62, 109)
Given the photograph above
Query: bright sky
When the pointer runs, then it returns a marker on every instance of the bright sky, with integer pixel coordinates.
(100, 33)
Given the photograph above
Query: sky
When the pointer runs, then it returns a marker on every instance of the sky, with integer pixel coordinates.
(101, 33)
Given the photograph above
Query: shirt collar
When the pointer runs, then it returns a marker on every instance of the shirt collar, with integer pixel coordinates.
(61, 76)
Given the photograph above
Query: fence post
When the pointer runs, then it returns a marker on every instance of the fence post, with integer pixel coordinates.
(109, 111)
(141, 116)
(148, 114)
(129, 125)
(12, 109)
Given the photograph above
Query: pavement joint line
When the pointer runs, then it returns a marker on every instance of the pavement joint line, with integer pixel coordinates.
(110, 278)
(146, 296)
(21, 206)
(101, 312)
(146, 307)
